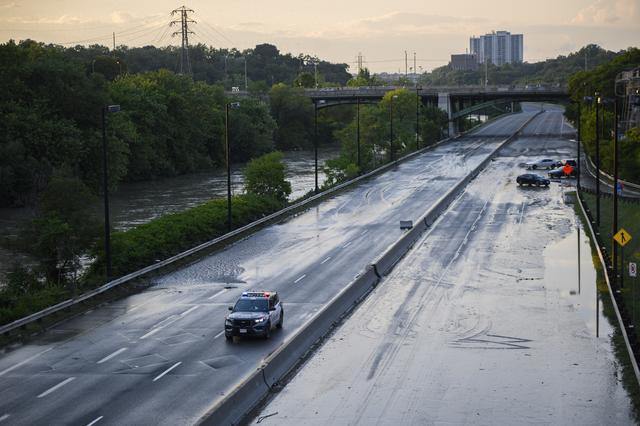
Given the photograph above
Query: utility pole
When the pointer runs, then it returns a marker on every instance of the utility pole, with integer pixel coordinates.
(406, 65)
(597, 99)
(246, 85)
(415, 70)
(184, 21)
(114, 45)
(359, 62)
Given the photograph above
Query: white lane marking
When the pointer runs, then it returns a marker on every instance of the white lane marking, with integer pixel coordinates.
(56, 387)
(108, 357)
(219, 334)
(3, 418)
(326, 260)
(161, 375)
(299, 279)
(347, 245)
(188, 311)
(217, 294)
(95, 421)
(151, 333)
(365, 231)
(23, 362)
(168, 321)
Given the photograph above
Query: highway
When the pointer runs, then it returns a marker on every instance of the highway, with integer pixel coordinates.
(487, 320)
(159, 357)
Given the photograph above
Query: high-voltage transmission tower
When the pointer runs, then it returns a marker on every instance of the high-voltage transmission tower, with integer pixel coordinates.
(184, 21)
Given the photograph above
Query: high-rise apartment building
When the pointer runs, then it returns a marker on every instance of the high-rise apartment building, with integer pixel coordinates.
(498, 48)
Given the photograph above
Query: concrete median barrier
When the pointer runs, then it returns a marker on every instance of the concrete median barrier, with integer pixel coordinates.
(249, 394)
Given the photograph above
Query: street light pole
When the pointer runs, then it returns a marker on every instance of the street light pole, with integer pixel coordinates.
(418, 88)
(615, 188)
(358, 131)
(579, 141)
(233, 105)
(597, 96)
(315, 143)
(228, 161)
(105, 188)
(391, 128)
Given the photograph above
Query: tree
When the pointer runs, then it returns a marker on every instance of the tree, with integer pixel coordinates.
(305, 79)
(266, 176)
(64, 229)
(293, 113)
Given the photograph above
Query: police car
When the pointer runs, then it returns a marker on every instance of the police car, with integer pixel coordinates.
(256, 313)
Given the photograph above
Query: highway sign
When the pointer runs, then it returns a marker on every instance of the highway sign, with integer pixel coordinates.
(633, 269)
(622, 237)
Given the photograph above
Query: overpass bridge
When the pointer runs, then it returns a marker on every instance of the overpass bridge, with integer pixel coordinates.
(456, 101)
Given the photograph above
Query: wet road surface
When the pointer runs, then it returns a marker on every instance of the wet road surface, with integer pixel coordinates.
(159, 357)
(486, 321)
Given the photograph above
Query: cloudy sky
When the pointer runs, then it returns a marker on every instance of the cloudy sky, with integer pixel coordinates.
(335, 30)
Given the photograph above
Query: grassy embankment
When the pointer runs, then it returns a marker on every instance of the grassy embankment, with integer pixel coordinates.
(628, 218)
(136, 248)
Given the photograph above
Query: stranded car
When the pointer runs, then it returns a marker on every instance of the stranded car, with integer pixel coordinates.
(564, 171)
(547, 163)
(256, 313)
(532, 179)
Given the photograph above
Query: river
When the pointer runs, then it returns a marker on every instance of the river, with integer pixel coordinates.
(137, 203)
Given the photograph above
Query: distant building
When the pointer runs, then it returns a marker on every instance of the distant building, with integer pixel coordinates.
(498, 48)
(464, 62)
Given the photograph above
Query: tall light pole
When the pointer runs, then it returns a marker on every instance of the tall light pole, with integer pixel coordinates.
(391, 126)
(105, 187)
(315, 140)
(615, 189)
(228, 105)
(418, 89)
(358, 132)
(598, 100)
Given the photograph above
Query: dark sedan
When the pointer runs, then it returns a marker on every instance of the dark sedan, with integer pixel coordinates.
(532, 179)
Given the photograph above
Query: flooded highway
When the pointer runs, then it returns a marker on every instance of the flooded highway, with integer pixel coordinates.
(160, 357)
(490, 319)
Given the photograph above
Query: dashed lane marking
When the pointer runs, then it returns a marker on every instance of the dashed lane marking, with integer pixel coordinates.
(6, 370)
(219, 334)
(300, 279)
(95, 421)
(326, 260)
(161, 375)
(217, 294)
(56, 387)
(115, 354)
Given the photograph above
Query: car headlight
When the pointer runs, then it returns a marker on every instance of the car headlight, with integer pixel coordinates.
(260, 320)
(228, 322)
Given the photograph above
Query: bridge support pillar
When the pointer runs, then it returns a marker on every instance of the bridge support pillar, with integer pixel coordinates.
(444, 103)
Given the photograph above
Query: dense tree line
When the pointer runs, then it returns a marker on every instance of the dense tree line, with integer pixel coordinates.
(265, 64)
(51, 100)
(582, 89)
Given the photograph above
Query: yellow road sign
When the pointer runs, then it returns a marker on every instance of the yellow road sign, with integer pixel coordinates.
(622, 237)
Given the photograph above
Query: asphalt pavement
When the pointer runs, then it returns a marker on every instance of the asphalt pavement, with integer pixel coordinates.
(489, 319)
(159, 357)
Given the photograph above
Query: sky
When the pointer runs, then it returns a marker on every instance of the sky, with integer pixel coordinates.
(334, 30)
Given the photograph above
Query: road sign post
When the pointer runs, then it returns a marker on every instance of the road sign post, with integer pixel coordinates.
(622, 237)
(633, 272)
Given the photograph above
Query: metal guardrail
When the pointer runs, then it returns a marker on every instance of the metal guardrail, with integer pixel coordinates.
(623, 330)
(247, 395)
(274, 217)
